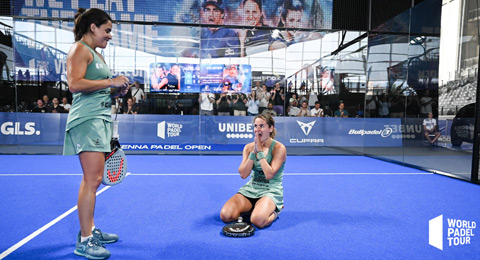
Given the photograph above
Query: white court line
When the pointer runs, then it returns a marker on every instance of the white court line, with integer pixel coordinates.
(40, 230)
(286, 174)
(228, 174)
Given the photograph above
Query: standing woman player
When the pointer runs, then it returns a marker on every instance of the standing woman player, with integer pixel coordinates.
(88, 131)
(264, 192)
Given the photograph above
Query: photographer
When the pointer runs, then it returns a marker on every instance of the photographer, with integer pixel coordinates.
(278, 99)
(239, 107)
(223, 105)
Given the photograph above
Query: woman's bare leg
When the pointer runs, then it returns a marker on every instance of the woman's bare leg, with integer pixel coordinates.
(235, 206)
(92, 165)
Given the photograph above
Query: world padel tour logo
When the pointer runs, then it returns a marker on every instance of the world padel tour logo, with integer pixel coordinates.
(459, 232)
(168, 129)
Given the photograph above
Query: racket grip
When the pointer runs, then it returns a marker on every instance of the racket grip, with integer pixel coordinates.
(115, 129)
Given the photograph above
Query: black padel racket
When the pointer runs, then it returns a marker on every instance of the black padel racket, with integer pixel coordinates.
(238, 229)
(115, 162)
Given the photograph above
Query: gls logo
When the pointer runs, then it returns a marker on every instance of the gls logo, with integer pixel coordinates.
(15, 128)
(306, 128)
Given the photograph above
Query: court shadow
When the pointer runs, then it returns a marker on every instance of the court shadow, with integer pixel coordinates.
(289, 219)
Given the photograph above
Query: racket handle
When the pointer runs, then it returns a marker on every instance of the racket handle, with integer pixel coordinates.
(115, 129)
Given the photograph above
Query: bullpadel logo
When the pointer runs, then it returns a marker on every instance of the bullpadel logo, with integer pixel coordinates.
(459, 232)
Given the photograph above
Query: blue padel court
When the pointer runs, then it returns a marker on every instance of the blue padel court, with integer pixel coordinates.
(336, 207)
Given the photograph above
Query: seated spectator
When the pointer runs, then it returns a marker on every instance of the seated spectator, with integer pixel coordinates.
(66, 106)
(40, 108)
(341, 112)
(304, 110)
(46, 101)
(270, 110)
(317, 111)
(55, 107)
(131, 107)
(293, 109)
(430, 128)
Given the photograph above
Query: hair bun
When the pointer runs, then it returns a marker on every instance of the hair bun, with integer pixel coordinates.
(80, 11)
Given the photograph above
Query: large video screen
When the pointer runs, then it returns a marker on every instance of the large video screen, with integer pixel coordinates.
(195, 78)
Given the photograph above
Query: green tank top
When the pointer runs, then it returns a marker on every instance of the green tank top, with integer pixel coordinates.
(86, 106)
(258, 177)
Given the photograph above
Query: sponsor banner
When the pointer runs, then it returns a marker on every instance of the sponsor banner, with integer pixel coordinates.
(208, 133)
(32, 128)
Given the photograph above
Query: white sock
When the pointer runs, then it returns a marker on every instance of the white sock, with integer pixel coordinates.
(83, 239)
(93, 228)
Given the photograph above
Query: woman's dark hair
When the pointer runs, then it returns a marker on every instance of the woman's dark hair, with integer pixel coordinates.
(290, 5)
(259, 3)
(84, 18)
(270, 122)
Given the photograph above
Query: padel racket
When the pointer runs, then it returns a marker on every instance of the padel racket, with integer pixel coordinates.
(115, 162)
(238, 229)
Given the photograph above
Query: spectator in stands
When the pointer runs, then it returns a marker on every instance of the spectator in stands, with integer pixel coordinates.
(341, 112)
(46, 101)
(384, 106)
(263, 97)
(40, 108)
(293, 109)
(371, 106)
(426, 104)
(252, 104)
(206, 101)
(137, 92)
(430, 128)
(270, 110)
(278, 98)
(66, 106)
(55, 107)
(131, 107)
(20, 77)
(304, 111)
(239, 107)
(312, 98)
(397, 108)
(27, 76)
(223, 105)
(293, 99)
(317, 111)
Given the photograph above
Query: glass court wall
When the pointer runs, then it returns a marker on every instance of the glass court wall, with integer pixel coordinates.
(386, 77)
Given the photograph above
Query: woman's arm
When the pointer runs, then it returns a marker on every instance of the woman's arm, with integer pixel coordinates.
(78, 59)
(279, 157)
(247, 164)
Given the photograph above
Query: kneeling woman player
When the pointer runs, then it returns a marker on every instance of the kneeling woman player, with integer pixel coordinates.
(264, 192)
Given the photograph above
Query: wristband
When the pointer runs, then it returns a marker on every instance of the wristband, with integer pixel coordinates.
(111, 81)
(252, 156)
(261, 155)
